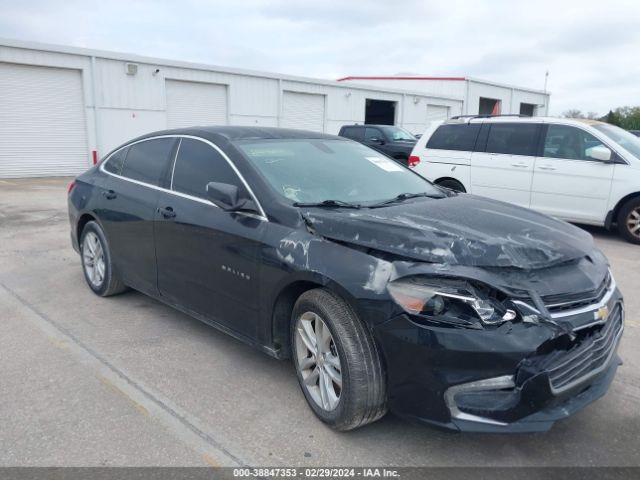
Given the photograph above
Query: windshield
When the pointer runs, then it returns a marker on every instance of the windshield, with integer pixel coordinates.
(397, 133)
(313, 171)
(626, 140)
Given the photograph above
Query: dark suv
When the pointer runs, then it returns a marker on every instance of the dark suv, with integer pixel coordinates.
(393, 141)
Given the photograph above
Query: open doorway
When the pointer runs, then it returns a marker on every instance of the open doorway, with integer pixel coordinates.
(527, 109)
(379, 112)
(489, 106)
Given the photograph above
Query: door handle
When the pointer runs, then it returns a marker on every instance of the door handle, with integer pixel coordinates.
(109, 194)
(520, 165)
(546, 167)
(167, 212)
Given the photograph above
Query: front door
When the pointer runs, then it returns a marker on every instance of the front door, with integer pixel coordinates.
(567, 182)
(504, 168)
(208, 259)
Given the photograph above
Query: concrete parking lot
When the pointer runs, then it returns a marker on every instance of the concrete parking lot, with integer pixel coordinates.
(128, 381)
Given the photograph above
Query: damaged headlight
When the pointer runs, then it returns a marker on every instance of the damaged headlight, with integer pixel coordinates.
(450, 301)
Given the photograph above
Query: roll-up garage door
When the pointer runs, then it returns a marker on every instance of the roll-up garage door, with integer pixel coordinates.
(42, 122)
(304, 111)
(192, 103)
(437, 113)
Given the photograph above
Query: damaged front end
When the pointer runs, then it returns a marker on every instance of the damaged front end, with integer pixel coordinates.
(471, 357)
(506, 321)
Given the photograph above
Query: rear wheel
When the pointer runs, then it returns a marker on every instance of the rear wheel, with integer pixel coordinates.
(338, 365)
(99, 272)
(451, 184)
(629, 220)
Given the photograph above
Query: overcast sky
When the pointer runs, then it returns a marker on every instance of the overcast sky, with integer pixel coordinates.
(591, 48)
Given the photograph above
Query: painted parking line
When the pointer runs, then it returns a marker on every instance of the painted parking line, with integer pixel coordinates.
(188, 429)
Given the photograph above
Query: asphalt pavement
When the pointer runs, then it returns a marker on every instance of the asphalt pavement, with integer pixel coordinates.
(127, 381)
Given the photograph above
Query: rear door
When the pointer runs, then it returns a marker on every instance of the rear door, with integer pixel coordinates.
(130, 192)
(567, 182)
(374, 138)
(503, 169)
(208, 258)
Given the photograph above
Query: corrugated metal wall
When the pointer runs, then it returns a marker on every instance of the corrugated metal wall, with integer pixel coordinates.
(118, 106)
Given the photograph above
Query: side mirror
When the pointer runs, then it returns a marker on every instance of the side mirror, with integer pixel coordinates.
(600, 152)
(227, 197)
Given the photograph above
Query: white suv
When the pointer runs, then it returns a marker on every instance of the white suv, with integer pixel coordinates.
(581, 171)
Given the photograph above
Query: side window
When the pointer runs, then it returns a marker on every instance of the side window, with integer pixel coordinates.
(147, 161)
(460, 137)
(115, 161)
(372, 134)
(513, 138)
(198, 164)
(354, 133)
(563, 141)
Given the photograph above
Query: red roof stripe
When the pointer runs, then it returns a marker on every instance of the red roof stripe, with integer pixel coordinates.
(402, 78)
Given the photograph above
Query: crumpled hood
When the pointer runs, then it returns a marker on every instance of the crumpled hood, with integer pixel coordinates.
(458, 230)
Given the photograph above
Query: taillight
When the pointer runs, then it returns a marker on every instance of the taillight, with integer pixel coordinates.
(414, 160)
(71, 186)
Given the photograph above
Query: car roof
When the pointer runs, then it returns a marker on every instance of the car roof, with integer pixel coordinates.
(518, 119)
(232, 133)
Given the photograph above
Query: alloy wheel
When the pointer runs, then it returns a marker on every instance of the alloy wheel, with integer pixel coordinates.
(633, 222)
(318, 361)
(93, 259)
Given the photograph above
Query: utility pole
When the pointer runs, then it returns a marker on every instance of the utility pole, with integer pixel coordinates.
(546, 78)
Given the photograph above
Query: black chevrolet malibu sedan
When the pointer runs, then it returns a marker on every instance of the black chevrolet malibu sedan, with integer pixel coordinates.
(386, 291)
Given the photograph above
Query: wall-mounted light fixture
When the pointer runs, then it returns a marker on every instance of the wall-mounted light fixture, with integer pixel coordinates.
(156, 72)
(416, 100)
(131, 68)
(347, 95)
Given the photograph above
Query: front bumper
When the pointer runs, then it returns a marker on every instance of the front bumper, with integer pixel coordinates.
(515, 378)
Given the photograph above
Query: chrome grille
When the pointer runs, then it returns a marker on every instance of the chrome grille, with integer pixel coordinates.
(564, 303)
(590, 357)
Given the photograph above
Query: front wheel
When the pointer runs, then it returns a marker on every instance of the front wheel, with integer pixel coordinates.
(629, 220)
(338, 365)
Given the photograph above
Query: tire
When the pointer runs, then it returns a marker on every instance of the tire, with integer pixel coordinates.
(361, 396)
(99, 272)
(451, 184)
(629, 220)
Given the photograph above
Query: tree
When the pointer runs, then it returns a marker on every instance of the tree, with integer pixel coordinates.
(572, 113)
(613, 118)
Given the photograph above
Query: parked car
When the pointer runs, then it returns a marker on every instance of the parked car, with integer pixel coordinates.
(386, 291)
(635, 132)
(394, 142)
(582, 171)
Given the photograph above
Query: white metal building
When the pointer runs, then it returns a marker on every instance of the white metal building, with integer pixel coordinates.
(62, 107)
(480, 96)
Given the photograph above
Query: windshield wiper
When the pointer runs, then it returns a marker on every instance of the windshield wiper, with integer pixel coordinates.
(328, 203)
(404, 196)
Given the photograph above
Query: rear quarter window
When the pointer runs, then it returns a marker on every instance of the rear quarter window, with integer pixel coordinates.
(115, 161)
(354, 133)
(455, 137)
(147, 161)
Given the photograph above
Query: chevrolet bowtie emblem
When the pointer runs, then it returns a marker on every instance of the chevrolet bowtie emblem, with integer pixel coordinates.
(601, 313)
